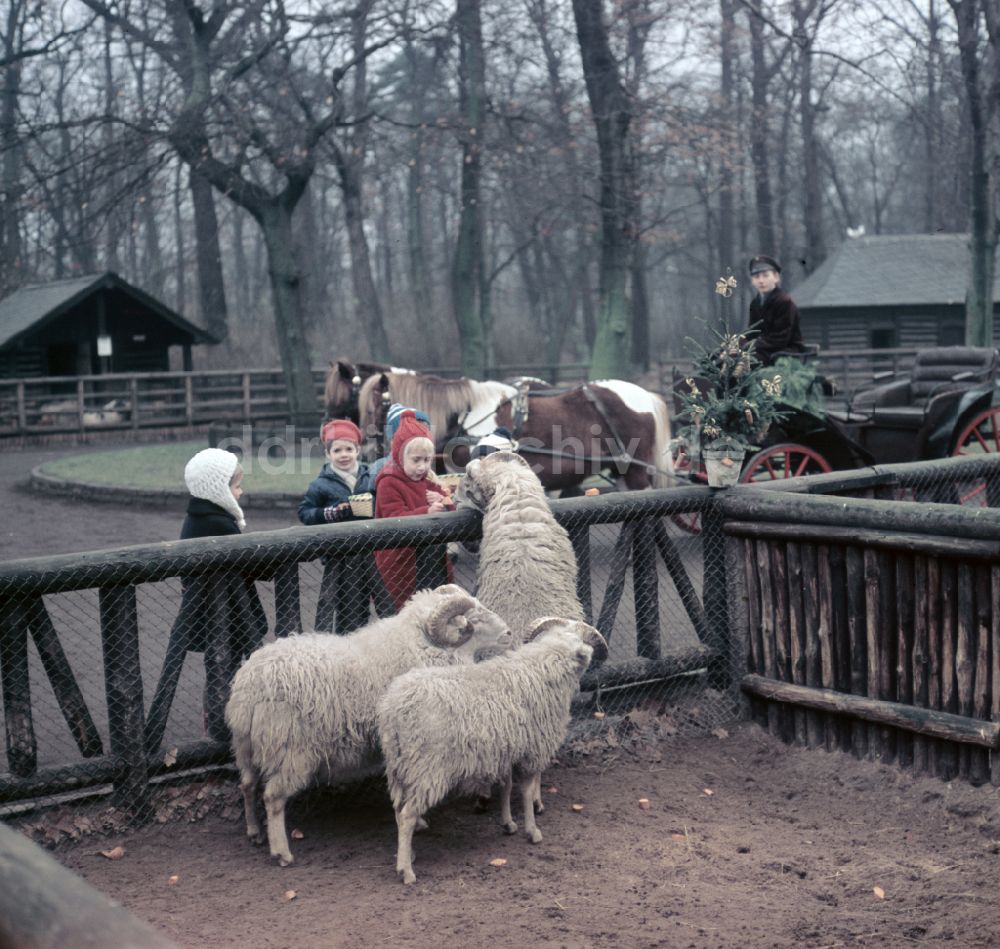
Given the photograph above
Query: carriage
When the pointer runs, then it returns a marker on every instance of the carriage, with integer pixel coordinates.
(948, 404)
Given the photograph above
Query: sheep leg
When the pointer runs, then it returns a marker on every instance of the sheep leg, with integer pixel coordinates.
(538, 802)
(406, 822)
(527, 801)
(248, 784)
(277, 836)
(506, 820)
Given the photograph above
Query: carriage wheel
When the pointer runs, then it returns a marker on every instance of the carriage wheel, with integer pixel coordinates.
(980, 437)
(786, 460)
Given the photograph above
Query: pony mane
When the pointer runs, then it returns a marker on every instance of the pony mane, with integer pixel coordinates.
(473, 403)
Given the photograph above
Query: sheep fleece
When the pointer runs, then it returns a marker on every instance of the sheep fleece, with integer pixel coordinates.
(450, 729)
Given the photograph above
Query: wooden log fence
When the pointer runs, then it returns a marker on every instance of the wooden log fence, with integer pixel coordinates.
(874, 628)
(135, 751)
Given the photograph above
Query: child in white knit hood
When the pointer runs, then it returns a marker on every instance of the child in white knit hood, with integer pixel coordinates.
(221, 614)
(215, 479)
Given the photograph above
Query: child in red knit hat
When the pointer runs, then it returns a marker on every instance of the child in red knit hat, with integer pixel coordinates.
(404, 487)
(348, 582)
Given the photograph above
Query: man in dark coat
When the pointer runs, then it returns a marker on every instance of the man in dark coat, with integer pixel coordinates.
(774, 317)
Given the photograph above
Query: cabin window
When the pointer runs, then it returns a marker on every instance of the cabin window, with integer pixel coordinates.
(882, 337)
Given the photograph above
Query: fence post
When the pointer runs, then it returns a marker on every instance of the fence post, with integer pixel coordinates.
(188, 399)
(123, 687)
(716, 592)
(645, 591)
(579, 535)
(133, 395)
(79, 404)
(22, 751)
(22, 415)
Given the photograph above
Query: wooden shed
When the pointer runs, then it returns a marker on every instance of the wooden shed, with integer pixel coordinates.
(888, 291)
(90, 325)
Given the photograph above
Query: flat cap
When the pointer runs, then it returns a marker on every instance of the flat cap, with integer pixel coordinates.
(762, 262)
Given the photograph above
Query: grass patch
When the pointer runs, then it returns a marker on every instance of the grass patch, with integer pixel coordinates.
(161, 467)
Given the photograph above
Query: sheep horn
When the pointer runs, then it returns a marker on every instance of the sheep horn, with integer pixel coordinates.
(448, 625)
(593, 638)
(540, 625)
(447, 589)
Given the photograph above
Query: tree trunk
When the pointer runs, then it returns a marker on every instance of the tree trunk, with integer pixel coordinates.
(211, 286)
(983, 231)
(612, 117)
(286, 287)
(466, 269)
(727, 215)
(812, 184)
(760, 79)
(11, 252)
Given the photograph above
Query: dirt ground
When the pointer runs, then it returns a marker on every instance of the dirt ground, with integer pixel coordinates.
(745, 842)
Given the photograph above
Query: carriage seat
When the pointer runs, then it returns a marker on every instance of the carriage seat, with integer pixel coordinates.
(936, 373)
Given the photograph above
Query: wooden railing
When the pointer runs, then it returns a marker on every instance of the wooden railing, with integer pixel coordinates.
(129, 401)
(874, 627)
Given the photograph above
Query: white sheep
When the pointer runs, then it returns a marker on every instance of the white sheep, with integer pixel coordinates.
(453, 729)
(527, 565)
(304, 706)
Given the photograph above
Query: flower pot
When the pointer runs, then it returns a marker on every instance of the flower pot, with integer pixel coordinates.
(723, 466)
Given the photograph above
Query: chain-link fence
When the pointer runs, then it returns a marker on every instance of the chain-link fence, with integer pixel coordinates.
(116, 664)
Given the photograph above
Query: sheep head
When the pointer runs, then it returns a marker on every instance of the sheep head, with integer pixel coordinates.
(458, 617)
(583, 631)
(483, 475)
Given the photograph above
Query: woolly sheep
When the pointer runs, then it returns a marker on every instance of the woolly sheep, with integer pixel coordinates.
(304, 706)
(453, 729)
(527, 565)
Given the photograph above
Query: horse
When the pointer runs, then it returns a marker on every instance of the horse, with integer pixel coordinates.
(342, 384)
(566, 434)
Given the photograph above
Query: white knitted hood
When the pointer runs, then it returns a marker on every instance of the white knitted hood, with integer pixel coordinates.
(207, 476)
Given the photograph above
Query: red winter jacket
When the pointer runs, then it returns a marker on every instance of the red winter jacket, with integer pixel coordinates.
(396, 495)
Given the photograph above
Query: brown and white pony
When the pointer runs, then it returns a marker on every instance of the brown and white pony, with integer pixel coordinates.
(566, 434)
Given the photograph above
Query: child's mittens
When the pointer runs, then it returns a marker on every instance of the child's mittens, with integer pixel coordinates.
(337, 512)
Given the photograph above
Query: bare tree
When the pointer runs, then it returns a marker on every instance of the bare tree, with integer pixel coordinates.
(612, 114)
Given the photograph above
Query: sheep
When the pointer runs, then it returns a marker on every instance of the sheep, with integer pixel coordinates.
(304, 707)
(527, 565)
(454, 728)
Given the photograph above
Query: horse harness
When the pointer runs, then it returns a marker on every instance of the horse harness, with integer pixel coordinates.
(520, 409)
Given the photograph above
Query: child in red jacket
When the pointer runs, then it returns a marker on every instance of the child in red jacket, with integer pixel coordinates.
(407, 486)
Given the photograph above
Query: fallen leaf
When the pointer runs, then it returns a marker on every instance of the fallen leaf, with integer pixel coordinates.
(115, 854)
(498, 862)
(297, 834)
(879, 892)
(599, 715)
(578, 808)
(592, 492)
(679, 836)
(708, 792)
(553, 790)
(173, 880)
(720, 733)
(644, 803)
(290, 895)
(170, 758)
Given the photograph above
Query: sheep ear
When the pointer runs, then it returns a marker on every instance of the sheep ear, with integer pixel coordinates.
(540, 625)
(594, 639)
(448, 625)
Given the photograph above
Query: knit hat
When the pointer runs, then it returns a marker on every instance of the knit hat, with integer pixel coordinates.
(393, 416)
(207, 476)
(340, 428)
(408, 429)
(500, 439)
